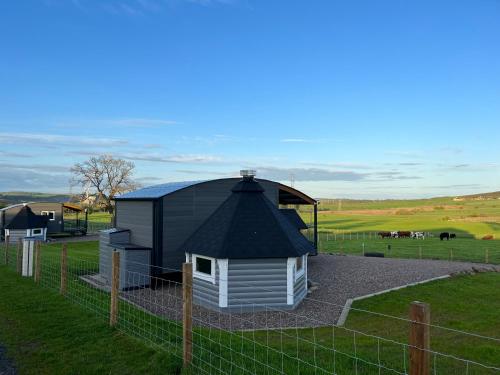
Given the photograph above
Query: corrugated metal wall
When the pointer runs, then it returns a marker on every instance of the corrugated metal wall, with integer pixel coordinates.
(137, 216)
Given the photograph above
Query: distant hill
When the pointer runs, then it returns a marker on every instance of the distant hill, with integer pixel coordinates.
(481, 196)
(13, 197)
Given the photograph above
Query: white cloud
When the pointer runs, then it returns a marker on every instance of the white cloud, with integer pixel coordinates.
(58, 140)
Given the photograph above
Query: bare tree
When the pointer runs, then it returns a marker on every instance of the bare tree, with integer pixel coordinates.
(104, 176)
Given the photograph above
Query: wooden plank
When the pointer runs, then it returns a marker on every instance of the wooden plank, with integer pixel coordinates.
(64, 270)
(115, 285)
(7, 241)
(419, 339)
(38, 261)
(19, 254)
(187, 312)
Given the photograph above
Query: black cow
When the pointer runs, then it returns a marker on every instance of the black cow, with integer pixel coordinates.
(453, 235)
(444, 235)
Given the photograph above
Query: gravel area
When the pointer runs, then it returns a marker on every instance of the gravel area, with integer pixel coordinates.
(339, 278)
(6, 365)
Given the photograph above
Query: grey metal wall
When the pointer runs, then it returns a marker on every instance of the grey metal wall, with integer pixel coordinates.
(137, 216)
(105, 238)
(56, 225)
(134, 264)
(257, 281)
(185, 210)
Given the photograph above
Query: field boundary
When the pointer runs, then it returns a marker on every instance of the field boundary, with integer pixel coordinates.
(347, 307)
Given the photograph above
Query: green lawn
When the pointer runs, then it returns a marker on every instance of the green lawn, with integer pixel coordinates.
(48, 334)
(467, 302)
(460, 249)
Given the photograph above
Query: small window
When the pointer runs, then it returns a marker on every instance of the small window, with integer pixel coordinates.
(50, 214)
(36, 231)
(204, 268)
(300, 266)
(204, 265)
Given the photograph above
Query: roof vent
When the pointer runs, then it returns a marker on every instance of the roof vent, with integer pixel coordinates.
(248, 173)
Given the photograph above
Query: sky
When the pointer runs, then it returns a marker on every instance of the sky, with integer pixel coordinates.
(349, 99)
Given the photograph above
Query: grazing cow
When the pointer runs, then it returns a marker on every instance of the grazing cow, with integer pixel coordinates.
(453, 235)
(384, 234)
(488, 237)
(444, 235)
(418, 235)
(405, 234)
(394, 234)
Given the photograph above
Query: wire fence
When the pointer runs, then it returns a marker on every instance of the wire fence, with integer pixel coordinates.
(250, 339)
(430, 246)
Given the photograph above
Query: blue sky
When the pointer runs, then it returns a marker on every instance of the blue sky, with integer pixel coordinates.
(359, 99)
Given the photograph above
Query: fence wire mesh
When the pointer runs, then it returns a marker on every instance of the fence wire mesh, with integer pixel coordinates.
(248, 339)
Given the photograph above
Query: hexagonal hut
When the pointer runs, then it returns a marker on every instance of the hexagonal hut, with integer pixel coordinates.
(248, 255)
(156, 226)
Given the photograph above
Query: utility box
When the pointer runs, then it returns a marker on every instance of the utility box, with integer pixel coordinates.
(135, 260)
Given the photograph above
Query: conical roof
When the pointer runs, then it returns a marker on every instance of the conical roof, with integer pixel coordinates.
(26, 219)
(248, 225)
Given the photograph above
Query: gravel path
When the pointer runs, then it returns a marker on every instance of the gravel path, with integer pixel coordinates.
(6, 366)
(89, 237)
(339, 278)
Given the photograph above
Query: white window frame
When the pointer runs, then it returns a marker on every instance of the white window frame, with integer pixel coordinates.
(37, 234)
(302, 271)
(46, 213)
(202, 275)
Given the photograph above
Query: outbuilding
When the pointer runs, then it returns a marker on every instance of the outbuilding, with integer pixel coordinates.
(248, 255)
(61, 217)
(161, 218)
(26, 224)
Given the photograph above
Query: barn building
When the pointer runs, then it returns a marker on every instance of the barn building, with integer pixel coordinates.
(26, 224)
(61, 217)
(158, 220)
(249, 255)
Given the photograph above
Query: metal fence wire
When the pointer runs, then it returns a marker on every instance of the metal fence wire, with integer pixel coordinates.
(248, 341)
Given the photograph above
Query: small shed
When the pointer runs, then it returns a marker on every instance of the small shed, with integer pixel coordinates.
(248, 255)
(27, 224)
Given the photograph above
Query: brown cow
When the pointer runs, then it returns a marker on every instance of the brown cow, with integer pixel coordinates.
(384, 234)
(404, 234)
(488, 237)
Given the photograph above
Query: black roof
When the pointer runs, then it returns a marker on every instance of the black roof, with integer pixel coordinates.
(248, 225)
(294, 218)
(26, 219)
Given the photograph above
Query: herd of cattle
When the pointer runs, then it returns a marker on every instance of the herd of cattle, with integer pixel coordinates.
(416, 235)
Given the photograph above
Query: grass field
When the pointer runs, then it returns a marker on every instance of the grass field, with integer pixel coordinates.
(466, 218)
(466, 302)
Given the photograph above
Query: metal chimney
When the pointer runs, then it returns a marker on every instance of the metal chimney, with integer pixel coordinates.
(248, 173)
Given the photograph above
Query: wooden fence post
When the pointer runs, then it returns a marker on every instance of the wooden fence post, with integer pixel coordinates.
(486, 256)
(38, 261)
(19, 254)
(187, 312)
(420, 252)
(7, 241)
(115, 285)
(419, 339)
(64, 270)
(451, 253)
